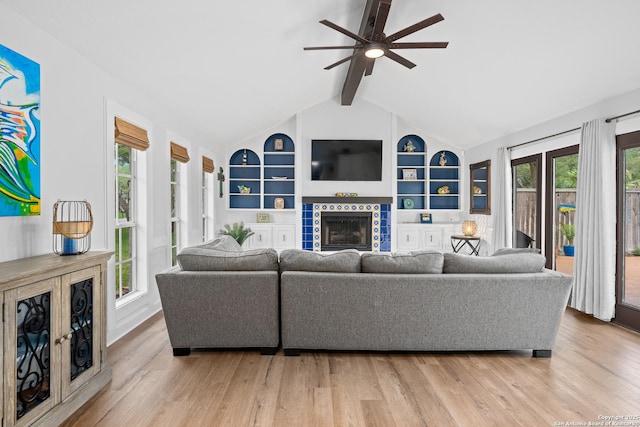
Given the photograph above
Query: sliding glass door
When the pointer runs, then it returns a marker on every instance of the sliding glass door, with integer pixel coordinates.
(561, 182)
(628, 230)
(527, 201)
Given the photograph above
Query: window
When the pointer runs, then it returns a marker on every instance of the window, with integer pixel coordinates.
(207, 198)
(179, 154)
(527, 201)
(175, 209)
(129, 140)
(125, 219)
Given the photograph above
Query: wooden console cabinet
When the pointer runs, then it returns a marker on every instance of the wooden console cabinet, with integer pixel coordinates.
(53, 336)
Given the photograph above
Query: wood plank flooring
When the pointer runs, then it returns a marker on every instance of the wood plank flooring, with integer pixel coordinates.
(594, 373)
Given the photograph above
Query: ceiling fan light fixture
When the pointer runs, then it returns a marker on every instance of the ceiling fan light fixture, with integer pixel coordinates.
(374, 50)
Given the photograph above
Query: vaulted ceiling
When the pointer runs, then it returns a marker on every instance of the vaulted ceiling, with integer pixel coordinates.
(238, 67)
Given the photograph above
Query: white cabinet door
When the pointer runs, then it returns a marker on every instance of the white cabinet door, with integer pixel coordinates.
(408, 238)
(261, 238)
(284, 236)
(432, 239)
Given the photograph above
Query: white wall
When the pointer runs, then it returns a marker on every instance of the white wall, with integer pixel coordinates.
(74, 94)
(611, 107)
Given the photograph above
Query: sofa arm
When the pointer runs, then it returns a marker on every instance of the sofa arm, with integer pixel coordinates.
(220, 309)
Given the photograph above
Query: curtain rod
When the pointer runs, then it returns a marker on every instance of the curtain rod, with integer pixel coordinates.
(609, 120)
(544, 137)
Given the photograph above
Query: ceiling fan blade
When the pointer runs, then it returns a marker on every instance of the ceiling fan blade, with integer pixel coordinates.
(423, 45)
(343, 60)
(369, 69)
(415, 27)
(344, 31)
(381, 19)
(399, 59)
(332, 47)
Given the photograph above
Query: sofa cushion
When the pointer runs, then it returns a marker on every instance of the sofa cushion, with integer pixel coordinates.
(507, 251)
(429, 262)
(203, 259)
(503, 264)
(346, 261)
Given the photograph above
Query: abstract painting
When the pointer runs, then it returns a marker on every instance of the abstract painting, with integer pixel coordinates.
(19, 134)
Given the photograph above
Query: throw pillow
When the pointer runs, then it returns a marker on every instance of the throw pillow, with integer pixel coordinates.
(346, 261)
(427, 262)
(222, 243)
(503, 264)
(200, 259)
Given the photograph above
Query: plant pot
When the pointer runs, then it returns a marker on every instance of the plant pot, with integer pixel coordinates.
(568, 250)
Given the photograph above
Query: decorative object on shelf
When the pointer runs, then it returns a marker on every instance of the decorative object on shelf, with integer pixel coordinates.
(278, 203)
(346, 194)
(221, 179)
(444, 190)
(278, 144)
(72, 224)
(443, 159)
(425, 218)
(243, 189)
(244, 157)
(279, 178)
(409, 174)
(262, 217)
(237, 231)
(409, 147)
(407, 203)
(469, 228)
(477, 190)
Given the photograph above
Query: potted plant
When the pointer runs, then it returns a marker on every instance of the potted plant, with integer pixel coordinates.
(569, 232)
(237, 231)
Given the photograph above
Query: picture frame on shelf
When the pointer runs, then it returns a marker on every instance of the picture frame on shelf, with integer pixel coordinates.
(278, 203)
(262, 217)
(278, 144)
(426, 218)
(409, 174)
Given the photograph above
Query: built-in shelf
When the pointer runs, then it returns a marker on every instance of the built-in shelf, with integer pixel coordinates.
(279, 172)
(444, 175)
(411, 173)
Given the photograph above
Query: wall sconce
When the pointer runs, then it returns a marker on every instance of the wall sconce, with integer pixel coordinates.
(469, 228)
(72, 224)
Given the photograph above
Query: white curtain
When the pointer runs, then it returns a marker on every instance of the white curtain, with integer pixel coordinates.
(595, 241)
(502, 237)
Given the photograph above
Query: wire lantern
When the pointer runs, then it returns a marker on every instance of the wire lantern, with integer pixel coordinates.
(72, 224)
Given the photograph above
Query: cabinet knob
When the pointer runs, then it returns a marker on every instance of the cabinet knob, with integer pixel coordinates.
(64, 338)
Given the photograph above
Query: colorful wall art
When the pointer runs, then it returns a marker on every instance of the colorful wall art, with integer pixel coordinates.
(19, 134)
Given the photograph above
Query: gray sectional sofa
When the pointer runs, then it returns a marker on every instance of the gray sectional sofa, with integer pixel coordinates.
(421, 301)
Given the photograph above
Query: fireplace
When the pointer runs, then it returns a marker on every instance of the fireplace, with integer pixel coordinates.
(346, 230)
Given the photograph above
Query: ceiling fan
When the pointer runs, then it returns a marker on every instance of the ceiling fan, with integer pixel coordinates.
(373, 43)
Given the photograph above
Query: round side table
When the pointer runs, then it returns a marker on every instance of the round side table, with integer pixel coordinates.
(458, 242)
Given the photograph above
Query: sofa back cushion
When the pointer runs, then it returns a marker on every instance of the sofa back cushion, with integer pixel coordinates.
(503, 264)
(508, 251)
(346, 261)
(225, 256)
(426, 262)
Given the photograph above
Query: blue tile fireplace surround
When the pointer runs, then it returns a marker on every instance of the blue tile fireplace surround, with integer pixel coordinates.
(333, 223)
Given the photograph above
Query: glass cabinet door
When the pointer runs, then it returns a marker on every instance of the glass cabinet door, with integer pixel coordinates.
(81, 319)
(31, 341)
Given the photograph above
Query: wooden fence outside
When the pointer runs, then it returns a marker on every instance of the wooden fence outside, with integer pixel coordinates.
(526, 214)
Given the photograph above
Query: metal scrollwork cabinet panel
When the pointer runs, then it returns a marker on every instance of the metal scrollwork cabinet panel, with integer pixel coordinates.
(54, 340)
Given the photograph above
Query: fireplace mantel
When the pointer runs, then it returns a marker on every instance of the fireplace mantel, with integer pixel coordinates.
(332, 199)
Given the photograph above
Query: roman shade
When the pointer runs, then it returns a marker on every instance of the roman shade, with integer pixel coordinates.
(207, 165)
(179, 153)
(130, 135)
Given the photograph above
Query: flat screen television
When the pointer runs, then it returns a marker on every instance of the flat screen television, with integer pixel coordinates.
(346, 160)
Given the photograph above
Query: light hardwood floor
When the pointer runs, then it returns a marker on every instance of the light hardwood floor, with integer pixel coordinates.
(594, 373)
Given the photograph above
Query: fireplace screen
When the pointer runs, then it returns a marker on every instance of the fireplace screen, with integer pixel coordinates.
(346, 230)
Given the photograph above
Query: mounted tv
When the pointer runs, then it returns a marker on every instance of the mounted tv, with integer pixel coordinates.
(346, 160)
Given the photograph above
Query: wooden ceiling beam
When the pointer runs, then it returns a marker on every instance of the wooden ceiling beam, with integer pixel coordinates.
(358, 64)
